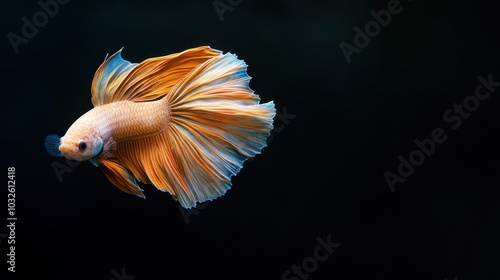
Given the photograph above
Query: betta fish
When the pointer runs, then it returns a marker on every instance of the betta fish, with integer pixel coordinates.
(184, 123)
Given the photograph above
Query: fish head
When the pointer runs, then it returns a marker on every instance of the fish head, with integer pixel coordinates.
(81, 143)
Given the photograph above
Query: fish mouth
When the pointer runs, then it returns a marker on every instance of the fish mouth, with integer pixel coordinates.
(66, 149)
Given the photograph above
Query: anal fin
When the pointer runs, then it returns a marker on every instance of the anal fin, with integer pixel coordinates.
(120, 177)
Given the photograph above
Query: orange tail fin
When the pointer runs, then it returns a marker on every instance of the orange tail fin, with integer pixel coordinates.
(217, 123)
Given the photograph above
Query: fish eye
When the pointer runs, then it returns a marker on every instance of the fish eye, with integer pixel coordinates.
(82, 146)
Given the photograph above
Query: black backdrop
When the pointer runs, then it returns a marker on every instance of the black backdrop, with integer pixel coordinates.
(320, 180)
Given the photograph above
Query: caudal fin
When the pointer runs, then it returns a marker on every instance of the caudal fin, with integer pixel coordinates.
(216, 124)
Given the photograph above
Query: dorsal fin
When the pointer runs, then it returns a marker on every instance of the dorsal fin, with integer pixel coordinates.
(108, 77)
(117, 79)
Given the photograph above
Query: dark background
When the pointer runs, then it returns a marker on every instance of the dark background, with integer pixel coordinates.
(321, 175)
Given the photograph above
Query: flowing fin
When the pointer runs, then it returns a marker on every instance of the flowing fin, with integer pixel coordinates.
(108, 77)
(120, 177)
(216, 124)
(52, 143)
(118, 79)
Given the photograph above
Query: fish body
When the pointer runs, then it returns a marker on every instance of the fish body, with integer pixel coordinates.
(119, 121)
(184, 123)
